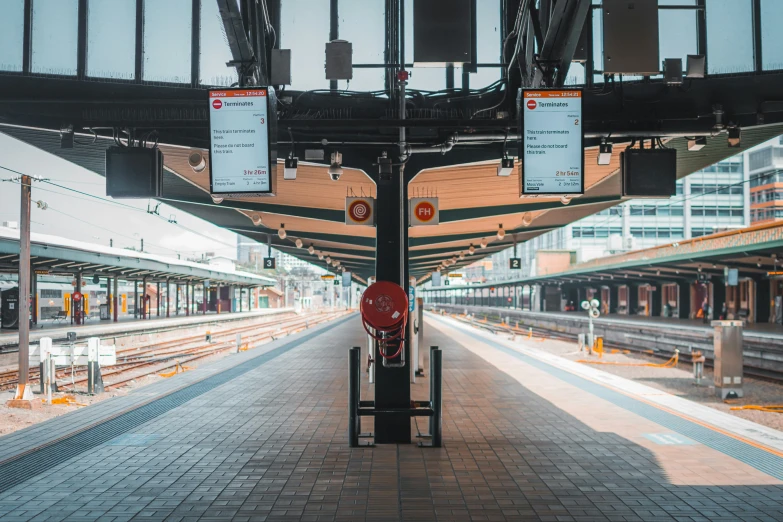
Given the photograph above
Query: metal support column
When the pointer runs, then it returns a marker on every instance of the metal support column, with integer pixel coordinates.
(34, 296)
(23, 396)
(353, 398)
(157, 299)
(436, 396)
(135, 299)
(392, 384)
(168, 297)
(144, 310)
(176, 298)
(115, 301)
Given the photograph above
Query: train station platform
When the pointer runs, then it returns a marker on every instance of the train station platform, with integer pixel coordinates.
(127, 325)
(262, 435)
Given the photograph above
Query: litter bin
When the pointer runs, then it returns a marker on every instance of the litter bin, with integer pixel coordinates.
(728, 358)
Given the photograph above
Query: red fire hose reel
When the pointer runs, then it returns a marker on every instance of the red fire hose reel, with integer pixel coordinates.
(384, 310)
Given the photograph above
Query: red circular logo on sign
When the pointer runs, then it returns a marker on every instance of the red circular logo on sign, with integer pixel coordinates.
(531, 104)
(77, 296)
(217, 104)
(424, 211)
(359, 211)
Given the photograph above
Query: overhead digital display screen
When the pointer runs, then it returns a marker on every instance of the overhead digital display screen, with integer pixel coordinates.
(552, 142)
(240, 156)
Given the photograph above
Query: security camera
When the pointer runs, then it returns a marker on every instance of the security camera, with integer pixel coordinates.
(336, 167)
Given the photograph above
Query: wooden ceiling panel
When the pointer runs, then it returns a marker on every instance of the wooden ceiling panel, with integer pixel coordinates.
(312, 187)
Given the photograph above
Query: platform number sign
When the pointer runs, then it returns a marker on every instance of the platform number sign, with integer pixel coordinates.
(446, 282)
(269, 263)
(337, 282)
(515, 263)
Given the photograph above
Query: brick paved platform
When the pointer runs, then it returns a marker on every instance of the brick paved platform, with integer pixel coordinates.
(267, 440)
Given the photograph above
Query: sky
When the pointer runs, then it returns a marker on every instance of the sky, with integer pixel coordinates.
(99, 219)
(304, 30)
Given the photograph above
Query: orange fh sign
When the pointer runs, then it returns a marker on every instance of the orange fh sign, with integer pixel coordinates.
(424, 211)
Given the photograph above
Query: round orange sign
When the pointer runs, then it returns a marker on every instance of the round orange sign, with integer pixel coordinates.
(359, 211)
(424, 211)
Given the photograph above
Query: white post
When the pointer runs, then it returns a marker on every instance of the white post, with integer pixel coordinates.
(239, 341)
(45, 349)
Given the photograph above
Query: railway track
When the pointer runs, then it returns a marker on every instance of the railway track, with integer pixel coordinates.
(152, 358)
(490, 323)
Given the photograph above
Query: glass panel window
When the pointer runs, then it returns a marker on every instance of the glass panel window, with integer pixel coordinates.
(729, 36)
(488, 43)
(362, 22)
(11, 35)
(215, 52)
(304, 28)
(111, 39)
(771, 35)
(167, 39)
(677, 30)
(55, 35)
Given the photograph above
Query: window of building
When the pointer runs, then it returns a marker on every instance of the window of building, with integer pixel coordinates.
(167, 33)
(215, 51)
(111, 39)
(54, 36)
(12, 36)
(310, 18)
(734, 54)
(362, 22)
(771, 36)
(50, 293)
(760, 158)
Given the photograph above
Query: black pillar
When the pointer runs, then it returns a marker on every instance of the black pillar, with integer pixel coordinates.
(392, 385)
(136, 299)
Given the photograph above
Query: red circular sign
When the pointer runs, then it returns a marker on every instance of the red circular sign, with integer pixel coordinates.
(217, 104)
(424, 211)
(359, 211)
(77, 296)
(531, 104)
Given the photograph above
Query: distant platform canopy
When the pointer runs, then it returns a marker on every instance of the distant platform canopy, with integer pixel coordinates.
(54, 255)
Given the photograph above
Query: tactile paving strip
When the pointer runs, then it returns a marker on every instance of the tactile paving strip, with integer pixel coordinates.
(758, 458)
(31, 464)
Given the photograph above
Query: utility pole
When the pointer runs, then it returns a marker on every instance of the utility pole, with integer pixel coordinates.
(23, 398)
(142, 244)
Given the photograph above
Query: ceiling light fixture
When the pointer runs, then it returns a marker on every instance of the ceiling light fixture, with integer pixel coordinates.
(605, 153)
(196, 161)
(501, 233)
(696, 144)
(281, 231)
